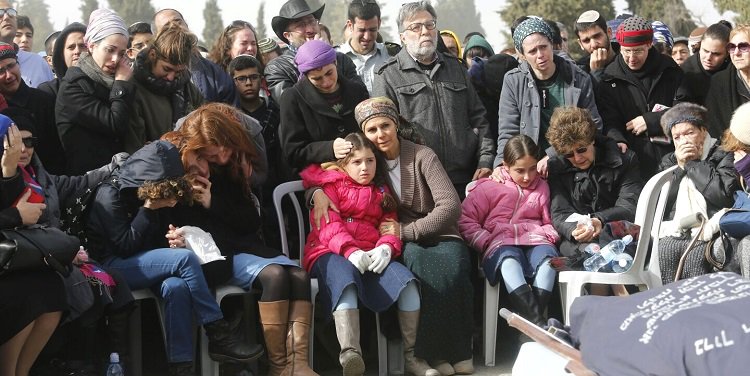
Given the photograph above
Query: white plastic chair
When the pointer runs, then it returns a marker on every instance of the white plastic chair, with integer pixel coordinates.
(136, 348)
(390, 353)
(648, 215)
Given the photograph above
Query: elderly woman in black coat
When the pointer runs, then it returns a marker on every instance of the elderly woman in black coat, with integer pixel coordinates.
(589, 176)
(704, 182)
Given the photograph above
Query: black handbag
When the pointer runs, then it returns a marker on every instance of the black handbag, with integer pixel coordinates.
(36, 248)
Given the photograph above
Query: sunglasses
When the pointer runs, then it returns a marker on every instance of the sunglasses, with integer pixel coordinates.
(9, 11)
(742, 46)
(580, 150)
(29, 142)
(246, 79)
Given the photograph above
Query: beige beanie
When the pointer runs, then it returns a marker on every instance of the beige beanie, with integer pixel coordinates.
(740, 124)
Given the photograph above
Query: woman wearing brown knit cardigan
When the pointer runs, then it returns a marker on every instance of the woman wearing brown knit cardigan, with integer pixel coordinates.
(428, 214)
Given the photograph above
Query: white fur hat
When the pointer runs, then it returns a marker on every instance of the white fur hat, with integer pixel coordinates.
(740, 124)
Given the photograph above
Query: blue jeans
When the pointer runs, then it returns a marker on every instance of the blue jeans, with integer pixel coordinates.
(176, 276)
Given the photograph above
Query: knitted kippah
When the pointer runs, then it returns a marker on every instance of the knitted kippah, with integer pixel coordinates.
(530, 26)
(266, 45)
(7, 51)
(634, 31)
(662, 33)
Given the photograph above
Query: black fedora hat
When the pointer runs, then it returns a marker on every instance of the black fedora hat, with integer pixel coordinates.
(290, 11)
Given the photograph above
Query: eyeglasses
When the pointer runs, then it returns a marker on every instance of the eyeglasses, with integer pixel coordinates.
(246, 79)
(417, 26)
(742, 46)
(635, 52)
(580, 150)
(303, 25)
(8, 67)
(29, 142)
(9, 11)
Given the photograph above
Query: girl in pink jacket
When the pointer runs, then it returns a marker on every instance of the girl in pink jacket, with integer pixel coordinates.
(352, 252)
(509, 222)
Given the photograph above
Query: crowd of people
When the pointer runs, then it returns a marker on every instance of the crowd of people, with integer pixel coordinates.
(418, 157)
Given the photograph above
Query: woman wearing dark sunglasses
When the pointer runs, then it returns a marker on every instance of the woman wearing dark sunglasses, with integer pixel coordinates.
(589, 176)
(729, 88)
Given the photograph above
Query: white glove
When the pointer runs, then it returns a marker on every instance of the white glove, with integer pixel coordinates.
(360, 260)
(380, 257)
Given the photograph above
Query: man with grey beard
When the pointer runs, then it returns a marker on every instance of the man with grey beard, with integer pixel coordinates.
(432, 91)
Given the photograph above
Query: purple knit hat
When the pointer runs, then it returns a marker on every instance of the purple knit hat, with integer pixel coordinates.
(314, 54)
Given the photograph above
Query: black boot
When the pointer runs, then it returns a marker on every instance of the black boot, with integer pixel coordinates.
(526, 305)
(227, 345)
(542, 301)
(181, 369)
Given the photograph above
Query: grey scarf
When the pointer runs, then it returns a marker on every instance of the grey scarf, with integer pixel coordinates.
(93, 71)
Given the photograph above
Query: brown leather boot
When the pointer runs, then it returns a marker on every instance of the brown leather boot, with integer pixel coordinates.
(409, 322)
(347, 331)
(297, 339)
(274, 318)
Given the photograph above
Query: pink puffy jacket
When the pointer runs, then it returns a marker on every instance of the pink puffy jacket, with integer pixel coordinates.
(495, 214)
(356, 224)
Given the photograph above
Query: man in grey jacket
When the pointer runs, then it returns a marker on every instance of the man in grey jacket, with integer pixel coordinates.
(432, 90)
(541, 83)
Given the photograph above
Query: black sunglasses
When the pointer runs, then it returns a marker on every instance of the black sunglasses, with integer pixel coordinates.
(29, 142)
(742, 46)
(580, 150)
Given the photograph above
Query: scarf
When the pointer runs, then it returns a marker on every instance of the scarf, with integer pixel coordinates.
(646, 76)
(29, 180)
(89, 67)
(174, 90)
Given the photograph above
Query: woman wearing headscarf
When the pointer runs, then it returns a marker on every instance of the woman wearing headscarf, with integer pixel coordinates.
(433, 250)
(318, 111)
(704, 182)
(95, 99)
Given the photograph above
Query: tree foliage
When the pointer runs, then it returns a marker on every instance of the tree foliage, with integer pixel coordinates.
(133, 11)
(458, 16)
(214, 24)
(565, 11)
(334, 17)
(260, 24)
(741, 7)
(38, 13)
(673, 13)
(88, 6)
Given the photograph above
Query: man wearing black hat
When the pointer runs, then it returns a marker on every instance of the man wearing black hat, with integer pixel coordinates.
(39, 104)
(295, 25)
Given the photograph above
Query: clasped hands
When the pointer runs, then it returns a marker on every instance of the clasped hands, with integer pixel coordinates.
(374, 260)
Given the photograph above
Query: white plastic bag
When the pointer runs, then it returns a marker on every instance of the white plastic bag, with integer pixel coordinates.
(202, 243)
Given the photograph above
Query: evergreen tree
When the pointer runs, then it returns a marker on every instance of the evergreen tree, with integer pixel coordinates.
(38, 13)
(565, 11)
(133, 11)
(458, 16)
(88, 6)
(260, 24)
(214, 24)
(741, 7)
(672, 12)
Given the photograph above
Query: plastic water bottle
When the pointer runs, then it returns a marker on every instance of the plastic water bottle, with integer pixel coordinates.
(592, 249)
(622, 263)
(114, 368)
(607, 254)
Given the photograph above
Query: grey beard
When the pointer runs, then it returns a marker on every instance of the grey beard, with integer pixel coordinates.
(424, 53)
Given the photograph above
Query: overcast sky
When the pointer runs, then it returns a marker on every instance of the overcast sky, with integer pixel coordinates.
(63, 12)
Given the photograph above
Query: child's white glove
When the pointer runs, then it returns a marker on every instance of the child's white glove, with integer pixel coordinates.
(380, 257)
(360, 260)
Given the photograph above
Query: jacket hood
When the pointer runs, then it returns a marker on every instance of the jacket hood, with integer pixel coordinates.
(156, 161)
(58, 61)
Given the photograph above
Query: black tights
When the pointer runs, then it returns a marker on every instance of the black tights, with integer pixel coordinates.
(280, 282)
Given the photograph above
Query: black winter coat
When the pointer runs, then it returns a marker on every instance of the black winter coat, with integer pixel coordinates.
(92, 121)
(608, 190)
(281, 73)
(697, 80)
(41, 109)
(118, 224)
(309, 124)
(715, 177)
(621, 100)
(727, 92)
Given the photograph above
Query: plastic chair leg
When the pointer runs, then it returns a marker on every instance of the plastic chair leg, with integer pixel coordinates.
(491, 305)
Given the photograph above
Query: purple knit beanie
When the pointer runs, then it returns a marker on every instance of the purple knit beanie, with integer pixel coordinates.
(314, 54)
